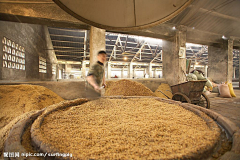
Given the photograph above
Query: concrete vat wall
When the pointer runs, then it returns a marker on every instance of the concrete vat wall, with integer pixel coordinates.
(76, 89)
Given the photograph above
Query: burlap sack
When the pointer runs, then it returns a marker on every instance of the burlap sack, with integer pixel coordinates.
(191, 77)
(224, 91)
(231, 90)
(199, 75)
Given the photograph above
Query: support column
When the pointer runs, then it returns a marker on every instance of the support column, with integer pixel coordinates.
(173, 65)
(150, 70)
(155, 73)
(234, 72)
(122, 73)
(83, 69)
(134, 73)
(220, 61)
(147, 71)
(130, 71)
(109, 70)
(68, 68)
(97, 43)
(206, 70)
(230, 60)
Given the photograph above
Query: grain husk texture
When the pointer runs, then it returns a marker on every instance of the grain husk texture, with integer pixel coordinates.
(164, 88)
(4, 132)
(127, 88)
(134, 128)
(18, 99)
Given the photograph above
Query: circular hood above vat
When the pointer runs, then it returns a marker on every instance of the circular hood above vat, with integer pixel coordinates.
(123, 15)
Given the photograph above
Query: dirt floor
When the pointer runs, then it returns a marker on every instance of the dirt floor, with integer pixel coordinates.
(228, 107)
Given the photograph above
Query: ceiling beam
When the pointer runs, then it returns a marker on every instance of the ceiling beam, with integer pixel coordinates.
(150, 48)
(121, 44)
(68, 47)
(139, 51)
(114, 49)
(59, 35)
(67, 41)
(68, 30)
(160, 53)
(85, 44)
(69, 51)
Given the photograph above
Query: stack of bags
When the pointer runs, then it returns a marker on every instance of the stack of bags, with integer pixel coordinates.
(226, 90)
(196, 75)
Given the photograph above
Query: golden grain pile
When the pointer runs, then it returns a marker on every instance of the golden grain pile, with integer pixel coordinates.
(127, 129)
(127, 88)
(163, 88)
(18, 99)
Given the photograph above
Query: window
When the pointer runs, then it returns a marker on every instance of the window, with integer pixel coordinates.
(53, 69)
(42, 65)
(13, 54)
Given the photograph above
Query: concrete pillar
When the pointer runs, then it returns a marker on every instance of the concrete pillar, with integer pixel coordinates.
(147, 70)
(122, 73)
(83, 69)
(59, 71)
(97, 43)
(220, 61)
(150, 70)
(206, 70)
(130, 71)
(134, 73)
(230, 60)
(68, 67)
(109, 70)
(173, 65)
(234, 72)
(155, 73)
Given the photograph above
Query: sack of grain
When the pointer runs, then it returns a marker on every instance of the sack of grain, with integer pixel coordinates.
(209, 84)
(224, 91)
(191, 77)
(231, 89)
(199, 75)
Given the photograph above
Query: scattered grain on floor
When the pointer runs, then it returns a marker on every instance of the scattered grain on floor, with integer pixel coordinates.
(163, 88)
(127, 88)
(139, 128)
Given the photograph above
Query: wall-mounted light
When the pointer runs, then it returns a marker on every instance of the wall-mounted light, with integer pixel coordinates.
(173, 28)
(223, 37)
(125, 58)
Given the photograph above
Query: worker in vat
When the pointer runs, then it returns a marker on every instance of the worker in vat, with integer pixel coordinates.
(96, 76)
